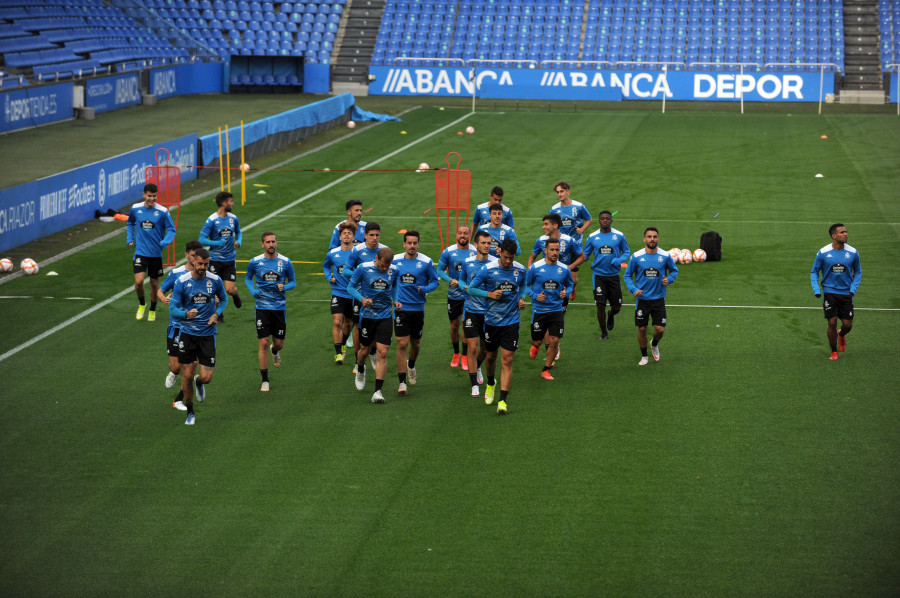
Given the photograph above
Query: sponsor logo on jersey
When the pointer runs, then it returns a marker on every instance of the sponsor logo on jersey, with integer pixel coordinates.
(199, 299)
(506, 286)
(651, 273)
(551, 285)
(606, 250)
(408, 278)
(380, 284)
(270, 276)
(148, 225)
(838, 268)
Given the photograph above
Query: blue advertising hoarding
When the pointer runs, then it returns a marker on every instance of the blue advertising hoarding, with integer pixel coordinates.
(39, 105)
(40, 208)
(608, 85)
(183, 79)
(109, 93)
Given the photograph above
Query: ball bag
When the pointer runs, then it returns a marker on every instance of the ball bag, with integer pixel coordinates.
(711, 243)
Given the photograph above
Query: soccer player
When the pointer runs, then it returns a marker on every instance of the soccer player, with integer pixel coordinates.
(416, 278)
(499, 231)
(449, 268)
(575, 218)
(354, 217)
(174, 329)
(364, 252)
(569, 249)
(483, 210)
(274, 276)
(473, 309)
(611, 253)
(548, 282)
(193, 302)
(149, 230)
(374, 285)
(222, 234)
(344, 310)
(503, 283)
(841, 273)
(649, 273)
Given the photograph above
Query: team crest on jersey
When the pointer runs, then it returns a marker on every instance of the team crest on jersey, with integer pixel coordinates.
(615, 237)
(259, 323)
(468, 321)
(334, 300)
(209, 286)
(137, 260)
(847, 255)
(660, 259)
(640, 313)
(418, 265)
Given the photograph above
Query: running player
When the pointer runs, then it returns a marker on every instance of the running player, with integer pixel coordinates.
(483, 210)
(575, 218)
(841, 274)
(364, 252)
(149, 230)
(222, 234)
(569, 249)
(344, 310)
(649, 273)
(449, 267)
(354, 217)
(499, 231)
(548, 282)
(274, 274)
(473, 310)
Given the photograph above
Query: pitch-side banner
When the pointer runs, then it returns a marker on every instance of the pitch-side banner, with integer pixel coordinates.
(39, 105)
(40, 208)
(182, 79)
(548, 84)
(109, 93)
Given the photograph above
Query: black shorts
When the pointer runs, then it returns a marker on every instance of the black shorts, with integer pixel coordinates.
(409, 323)
(473, 325)
(151, 265)
(172, 343)
(455, 308)
(224, 270)
(608, 289)
(837, 306)
(503, 337)
(551, 323)
(271, 322)
(345, 306)
(377, 331)
(201, 349)
(652, 307)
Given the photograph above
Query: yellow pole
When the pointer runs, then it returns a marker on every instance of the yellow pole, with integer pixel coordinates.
(243, 173)
(221, 172)
(228, 157)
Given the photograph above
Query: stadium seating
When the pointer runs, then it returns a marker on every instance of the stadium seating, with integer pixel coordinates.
(889, 34)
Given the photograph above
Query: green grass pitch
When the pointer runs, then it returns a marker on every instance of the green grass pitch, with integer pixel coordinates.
(744, 462)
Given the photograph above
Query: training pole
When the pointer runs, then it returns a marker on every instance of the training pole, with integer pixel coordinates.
(221, 172)
(228, 158)
(243, 172)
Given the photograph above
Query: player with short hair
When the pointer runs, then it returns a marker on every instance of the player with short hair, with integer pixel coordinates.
(575, 218)
(548, 282)
(364, 252)
(149, 230)
(499, 231)
(222, 234)
(838, 263)
(354, 217)
(374, 285)
(611, 254)
(649, 273)
(274, 274)
(448, 268)
(569, 249)
(483, 210)
(344, 310)
(503, 283)
(474, 307)
(193, 301)
(416, 277)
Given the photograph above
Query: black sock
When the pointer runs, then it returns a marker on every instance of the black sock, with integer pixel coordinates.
(378, 384)
(180, 396)
(834, 348)
(361, 367)
(141, 300)
(265, 375)
(276, 349)
(841, 332)
(412, 363)
(474, 379)
(190, 406)
(491, 381)
(153, 306)
(237, 300)
(644, 351)
(503, 394)
(344, 340)
(402, 376)
(337, 348)
(546, 369)
(654, 343)
(455, 347)
(480, 361)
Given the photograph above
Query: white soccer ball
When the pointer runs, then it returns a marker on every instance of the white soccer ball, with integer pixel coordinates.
(351, 124)
(676, 254)
(29, 266)
(6, 265)
(686, 256)
(470, 130)
(423, 167)
(245, 167)
(699, 255)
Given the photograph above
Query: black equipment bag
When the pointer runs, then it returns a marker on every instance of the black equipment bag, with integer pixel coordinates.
(711, 243)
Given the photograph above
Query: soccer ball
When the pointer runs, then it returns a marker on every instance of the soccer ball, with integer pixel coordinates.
(351, 124)
(29, 266)
(6, 265)
(686, 256)
(676, 254)
(470, 130)
(245, 167)
(423, 167)
(699, 255)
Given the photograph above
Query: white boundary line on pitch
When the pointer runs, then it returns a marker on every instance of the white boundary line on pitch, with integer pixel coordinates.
(293, 204)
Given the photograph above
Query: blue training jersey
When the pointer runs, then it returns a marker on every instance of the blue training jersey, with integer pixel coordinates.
(610, 251)
(841, 272)
(505, 310)
(417, 278)
(360, 254)
(368, 282)
(498, 235)
(474, 304)
(358, 238)
(333, 267)
(149, 229)
(450, 266)
(569, 248)
(167, 285)
(483, 215)
(645, 271)
(269, 272)
(220, 233)
(200, 294)
(573, 217)
(549, 280)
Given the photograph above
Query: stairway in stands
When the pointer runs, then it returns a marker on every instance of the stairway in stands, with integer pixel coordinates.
(356, 43)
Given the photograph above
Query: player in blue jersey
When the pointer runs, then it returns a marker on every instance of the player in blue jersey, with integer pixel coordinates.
(499, 231)
(193, 302)
(222, 234)
(274, 275)
(366, 251)
(838, 263)
(569, 249)
(548, 282)
(483, 210)
(473, 309)
(611, 253)
(174, 327)
(344, 310)
(416, 278)
(354, 217)
(649, 273)
(448, 268)
(149, 230)
(576, 218)
(503, 283)
(374, 285)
